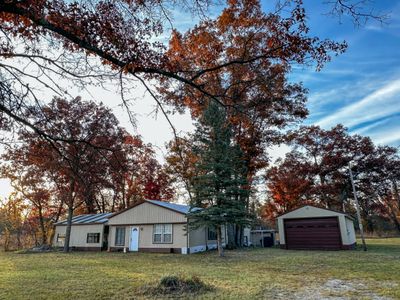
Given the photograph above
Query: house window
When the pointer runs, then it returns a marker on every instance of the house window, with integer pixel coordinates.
(120, 236)
(162, 234)
(212, 234)
(93, 238)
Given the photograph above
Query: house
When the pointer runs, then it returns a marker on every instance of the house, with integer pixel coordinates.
(148, 226)
(157, 226)
(311, 227)
(88, 232)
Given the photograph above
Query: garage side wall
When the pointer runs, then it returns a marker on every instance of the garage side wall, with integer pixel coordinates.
(350, 231)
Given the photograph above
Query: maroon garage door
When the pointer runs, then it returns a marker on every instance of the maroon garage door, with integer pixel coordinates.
(313, 233)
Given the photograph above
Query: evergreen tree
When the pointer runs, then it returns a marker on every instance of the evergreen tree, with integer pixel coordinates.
(219, 187)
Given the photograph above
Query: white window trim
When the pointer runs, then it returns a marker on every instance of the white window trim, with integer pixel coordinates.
(163, 232)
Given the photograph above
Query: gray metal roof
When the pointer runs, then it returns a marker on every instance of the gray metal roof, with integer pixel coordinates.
(87, 219)
(177, 207)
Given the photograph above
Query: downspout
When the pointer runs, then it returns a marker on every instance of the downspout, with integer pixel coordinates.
(206, 236)
(187, 236)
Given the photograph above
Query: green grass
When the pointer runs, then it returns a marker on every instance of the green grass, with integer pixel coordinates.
(242, 274)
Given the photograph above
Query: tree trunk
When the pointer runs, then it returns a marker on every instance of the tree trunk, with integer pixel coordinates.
(370, 224)
(52, 231)
(237, 236)
(393, 214)
(19, 243)
(231, 236)
(70, 213)
(396, 222)
(6, 240)
(68, 229)
(241, 236)
(219, 241)
(42, 226)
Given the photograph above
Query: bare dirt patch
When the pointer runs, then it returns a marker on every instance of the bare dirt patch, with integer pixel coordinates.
(333, 289)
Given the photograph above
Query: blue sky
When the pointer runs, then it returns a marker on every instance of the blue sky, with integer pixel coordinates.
(360, 88)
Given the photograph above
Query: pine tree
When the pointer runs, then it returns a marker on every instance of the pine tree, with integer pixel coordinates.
(219, 189)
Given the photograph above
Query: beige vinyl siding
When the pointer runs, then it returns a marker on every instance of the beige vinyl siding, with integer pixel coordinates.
(197, 237)
(178, 237)
(351, 234)
(147, 213)
(79, 235)
(146, 236)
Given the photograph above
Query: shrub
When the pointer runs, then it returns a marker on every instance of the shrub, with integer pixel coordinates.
(175, 285)
(170, 282)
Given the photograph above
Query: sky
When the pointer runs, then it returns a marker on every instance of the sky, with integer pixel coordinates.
(360, 88)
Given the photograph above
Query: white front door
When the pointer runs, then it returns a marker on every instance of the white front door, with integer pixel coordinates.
(134, 244)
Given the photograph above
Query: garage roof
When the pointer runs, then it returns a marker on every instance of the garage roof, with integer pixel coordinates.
(87, 219)
(332, 212)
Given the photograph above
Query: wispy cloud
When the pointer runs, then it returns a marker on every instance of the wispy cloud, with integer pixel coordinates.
(383, 102)
(367, 129)
(387, 136)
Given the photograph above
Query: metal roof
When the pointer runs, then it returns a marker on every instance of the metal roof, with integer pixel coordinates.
(184, 209)
(87, 219)
(327, 209)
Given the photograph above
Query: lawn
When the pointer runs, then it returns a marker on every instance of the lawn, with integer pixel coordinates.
(242, 274)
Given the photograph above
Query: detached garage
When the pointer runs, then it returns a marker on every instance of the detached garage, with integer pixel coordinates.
(313, 228)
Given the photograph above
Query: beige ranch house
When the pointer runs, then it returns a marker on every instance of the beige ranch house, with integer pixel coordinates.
(149, 226)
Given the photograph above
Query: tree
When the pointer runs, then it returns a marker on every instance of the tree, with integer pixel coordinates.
(12, 221)
(289, 185)
(218, 188)
(377, 178)
(128, 48)
(181, 162)
(77, 169)
(137, 175)
(29, 183)
(256, 50)
(328, 152)
(241, 61)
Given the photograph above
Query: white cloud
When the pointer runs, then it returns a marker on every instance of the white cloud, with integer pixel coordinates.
(386, 131)
(367, 129)
(381, 103)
